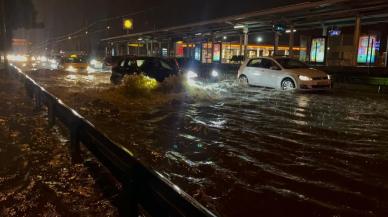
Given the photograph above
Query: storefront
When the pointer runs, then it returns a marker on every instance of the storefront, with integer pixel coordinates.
(224, 52)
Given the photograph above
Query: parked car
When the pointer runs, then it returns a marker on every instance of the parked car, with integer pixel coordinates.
(153, 67)
(282, 73)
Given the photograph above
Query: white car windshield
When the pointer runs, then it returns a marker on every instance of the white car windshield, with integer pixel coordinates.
(288, 63)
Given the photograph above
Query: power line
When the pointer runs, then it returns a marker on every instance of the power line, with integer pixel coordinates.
(82, 31)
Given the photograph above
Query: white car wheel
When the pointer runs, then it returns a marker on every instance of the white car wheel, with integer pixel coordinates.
(243, 81)
(287, 84)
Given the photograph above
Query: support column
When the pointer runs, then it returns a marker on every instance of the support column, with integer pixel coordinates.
(117, 52)
(324, 30)
(246, 30)
(241, 45)
(147, 49)
(291, 43)
(152, 47)
(386, 54)
(356, 38)
(160, 49)
(169, 48)
(276, 44)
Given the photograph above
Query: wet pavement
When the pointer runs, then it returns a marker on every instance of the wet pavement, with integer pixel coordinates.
(36, 176)
(250, 151)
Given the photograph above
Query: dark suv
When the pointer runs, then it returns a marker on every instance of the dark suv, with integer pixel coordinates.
(153, 67)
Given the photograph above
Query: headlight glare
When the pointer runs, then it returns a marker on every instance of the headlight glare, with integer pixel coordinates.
(305, 78)
(191, 74)
(71, 69)
(215, 73)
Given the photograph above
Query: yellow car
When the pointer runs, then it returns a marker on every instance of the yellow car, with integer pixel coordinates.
(74, 64)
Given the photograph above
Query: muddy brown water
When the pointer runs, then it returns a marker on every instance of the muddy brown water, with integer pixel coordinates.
(259, 152)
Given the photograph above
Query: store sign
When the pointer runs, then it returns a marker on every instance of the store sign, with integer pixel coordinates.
(216, 52)
(367, 48)
(318, 50)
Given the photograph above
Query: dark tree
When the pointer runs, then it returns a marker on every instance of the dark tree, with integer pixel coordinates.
(18, 14)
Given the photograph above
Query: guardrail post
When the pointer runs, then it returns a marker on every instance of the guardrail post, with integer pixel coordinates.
(28, 89)
(51, 113)
(75, 147)
(37, 100)
(130, 195)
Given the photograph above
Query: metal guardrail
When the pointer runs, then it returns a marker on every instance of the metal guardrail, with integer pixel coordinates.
(145, 187)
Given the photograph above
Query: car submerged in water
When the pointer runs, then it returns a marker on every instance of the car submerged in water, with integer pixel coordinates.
(195, 70)
(282, 73)
(153, 67)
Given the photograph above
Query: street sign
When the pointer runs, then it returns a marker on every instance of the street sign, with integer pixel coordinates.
(128, 24)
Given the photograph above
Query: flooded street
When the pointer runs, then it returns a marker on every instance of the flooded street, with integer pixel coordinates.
(252, 151)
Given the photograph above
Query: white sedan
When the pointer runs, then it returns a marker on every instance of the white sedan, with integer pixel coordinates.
(282, 73)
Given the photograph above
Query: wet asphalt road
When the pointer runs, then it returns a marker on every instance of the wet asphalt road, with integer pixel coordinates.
(261, 152)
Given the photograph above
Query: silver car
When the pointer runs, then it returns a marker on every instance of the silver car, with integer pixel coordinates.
(282, 73)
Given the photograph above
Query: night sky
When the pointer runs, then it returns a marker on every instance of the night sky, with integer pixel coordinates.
(64, 16)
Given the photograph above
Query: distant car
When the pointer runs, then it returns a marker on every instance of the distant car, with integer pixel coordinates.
(153, 67)
(282, 73)
(73, 63)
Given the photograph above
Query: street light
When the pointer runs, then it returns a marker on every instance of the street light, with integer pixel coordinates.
(289, 30)
(108, 27)
(225, 37)
(259, 39)
(128, 24)
(239, 26)
(69, 37)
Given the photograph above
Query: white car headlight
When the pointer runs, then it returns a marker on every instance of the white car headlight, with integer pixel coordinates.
(71, 69)
(214, 73)
(191, 74)
(305, 78)
(93, 62)
(90, 69)
(54, 66)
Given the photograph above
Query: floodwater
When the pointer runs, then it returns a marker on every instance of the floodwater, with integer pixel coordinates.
(261, 152)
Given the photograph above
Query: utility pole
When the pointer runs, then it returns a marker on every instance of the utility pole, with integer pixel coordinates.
(3, 31)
